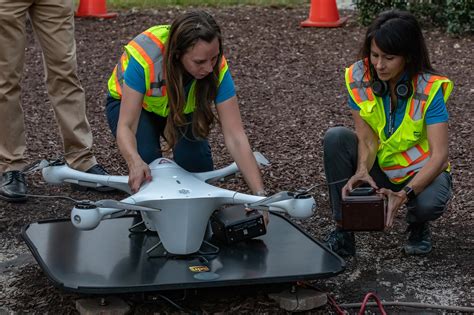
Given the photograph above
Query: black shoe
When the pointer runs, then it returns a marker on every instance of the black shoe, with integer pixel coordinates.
(419, 240)
(96, 170)
(341, 242)
(13, 186)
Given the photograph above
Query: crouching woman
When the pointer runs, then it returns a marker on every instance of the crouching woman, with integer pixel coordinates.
(400, 143)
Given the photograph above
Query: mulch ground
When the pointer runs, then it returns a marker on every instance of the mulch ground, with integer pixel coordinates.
(291, 90)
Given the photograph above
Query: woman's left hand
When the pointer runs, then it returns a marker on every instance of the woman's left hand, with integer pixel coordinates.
(266, 217)
(395, 201)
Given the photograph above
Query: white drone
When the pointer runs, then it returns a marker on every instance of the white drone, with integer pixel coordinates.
(176, 204)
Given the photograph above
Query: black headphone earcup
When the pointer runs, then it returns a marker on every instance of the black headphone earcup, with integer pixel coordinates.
(403, 89)
(379, 87)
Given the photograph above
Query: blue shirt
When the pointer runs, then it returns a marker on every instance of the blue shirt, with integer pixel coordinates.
(436, 113)
(134, 77)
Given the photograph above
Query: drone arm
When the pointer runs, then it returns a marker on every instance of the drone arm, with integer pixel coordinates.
(87, 215)
(216, 175)
(299, 207)
(88, 218)
(63, 173)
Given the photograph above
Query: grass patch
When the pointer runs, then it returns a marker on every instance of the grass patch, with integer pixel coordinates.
(142, 4)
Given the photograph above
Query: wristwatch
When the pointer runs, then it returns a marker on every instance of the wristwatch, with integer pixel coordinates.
(261, 193)
(410, 193)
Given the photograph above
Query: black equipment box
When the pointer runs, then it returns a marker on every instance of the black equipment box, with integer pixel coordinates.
(364, 213)
(234, 224)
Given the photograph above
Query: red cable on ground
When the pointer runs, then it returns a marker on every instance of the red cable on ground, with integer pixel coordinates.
(331, 300)
(377, 300)
(340, 307)
(334, 304)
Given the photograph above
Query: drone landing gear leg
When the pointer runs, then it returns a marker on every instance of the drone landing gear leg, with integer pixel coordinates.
(134, 228)
(153, 248)
(207, 249)
(214, 250)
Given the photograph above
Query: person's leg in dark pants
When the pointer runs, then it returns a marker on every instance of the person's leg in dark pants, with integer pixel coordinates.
(194, 155)
(340, 162)
(429, 205)
(150, 128)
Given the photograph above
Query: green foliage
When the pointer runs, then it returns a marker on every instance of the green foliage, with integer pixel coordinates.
(456, 16)
(460, 16)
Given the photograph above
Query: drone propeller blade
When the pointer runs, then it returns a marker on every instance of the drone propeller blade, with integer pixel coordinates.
(228, 171)
(110, 203)
(282, 195)
(261, 160)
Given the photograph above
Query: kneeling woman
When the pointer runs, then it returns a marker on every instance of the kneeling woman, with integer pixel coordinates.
(164, 85)
(400, 143)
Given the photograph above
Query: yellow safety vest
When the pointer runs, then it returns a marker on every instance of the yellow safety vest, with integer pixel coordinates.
(407, 149)
(148, 49)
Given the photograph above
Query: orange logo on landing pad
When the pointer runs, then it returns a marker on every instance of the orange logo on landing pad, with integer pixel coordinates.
(199, 268)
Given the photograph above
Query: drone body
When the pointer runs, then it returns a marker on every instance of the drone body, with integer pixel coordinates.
(176, 204)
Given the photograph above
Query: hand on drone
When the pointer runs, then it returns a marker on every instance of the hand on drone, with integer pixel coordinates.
(138, 173)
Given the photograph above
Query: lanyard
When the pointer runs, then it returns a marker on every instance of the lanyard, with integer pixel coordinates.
(391, 119)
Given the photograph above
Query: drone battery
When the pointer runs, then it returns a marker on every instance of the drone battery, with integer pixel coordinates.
(235, 224)
(364, 213)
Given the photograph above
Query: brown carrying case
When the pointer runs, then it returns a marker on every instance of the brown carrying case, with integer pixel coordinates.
(364, 213)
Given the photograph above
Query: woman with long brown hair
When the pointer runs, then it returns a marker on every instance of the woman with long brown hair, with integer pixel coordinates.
(164, 86)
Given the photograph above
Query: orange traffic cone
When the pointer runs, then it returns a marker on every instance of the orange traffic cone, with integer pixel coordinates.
(323, 13)
(93, 8)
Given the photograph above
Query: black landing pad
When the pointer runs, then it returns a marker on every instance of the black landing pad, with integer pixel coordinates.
(110, 259)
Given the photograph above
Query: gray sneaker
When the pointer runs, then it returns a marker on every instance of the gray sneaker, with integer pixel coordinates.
(419, 240)
(341, 242)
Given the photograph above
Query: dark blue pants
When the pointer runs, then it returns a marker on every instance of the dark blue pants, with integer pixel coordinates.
(340, 161)
(191, 154)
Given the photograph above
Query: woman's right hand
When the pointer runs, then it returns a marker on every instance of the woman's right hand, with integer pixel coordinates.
(356, 180)
(138, 173)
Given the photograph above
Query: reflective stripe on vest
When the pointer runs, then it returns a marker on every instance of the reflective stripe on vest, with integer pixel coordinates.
(360, 88)
(403, 173)
(415, 157)
(422, 87)
(148, 49)
(151, 50)
(407, 150)
(118, 73)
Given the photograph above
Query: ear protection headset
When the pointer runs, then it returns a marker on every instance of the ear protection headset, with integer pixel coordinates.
(403, 89)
